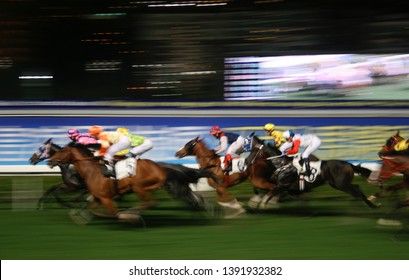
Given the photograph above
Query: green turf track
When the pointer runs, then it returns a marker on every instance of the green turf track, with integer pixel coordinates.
(323, 224)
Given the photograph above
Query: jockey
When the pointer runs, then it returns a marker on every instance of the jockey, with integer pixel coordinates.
(294, 141)
(235, 140)
(139, 144)
(277, 136)
(111, 142)
(402, 145)
(81, 138)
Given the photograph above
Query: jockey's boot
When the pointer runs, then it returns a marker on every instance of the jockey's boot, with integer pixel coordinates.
(306, 167)
(110, 168)
(228, 163)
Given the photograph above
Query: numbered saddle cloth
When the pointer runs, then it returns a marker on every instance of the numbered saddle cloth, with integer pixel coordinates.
(238, 164)
(125, 168)
(315, 168)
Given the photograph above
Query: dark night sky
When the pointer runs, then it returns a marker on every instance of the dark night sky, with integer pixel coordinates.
(71, 39)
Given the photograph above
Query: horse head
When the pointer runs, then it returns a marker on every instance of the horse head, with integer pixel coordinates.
(390, 144)
(42, 153)
(187, 149)
(258, 150)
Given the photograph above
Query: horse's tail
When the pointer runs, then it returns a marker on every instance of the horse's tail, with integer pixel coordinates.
(178, 178)
(365, 172)
(186, 174)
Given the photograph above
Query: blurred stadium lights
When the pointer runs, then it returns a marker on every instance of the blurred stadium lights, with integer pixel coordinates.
(35, 77)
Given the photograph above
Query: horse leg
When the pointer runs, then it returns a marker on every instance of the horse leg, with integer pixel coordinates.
(195, 201)
(387, 221)
(109, 205)
(45, 197)
(54, 191)
(396, 187)
(144, 196)
(222, 194)
(356, 192)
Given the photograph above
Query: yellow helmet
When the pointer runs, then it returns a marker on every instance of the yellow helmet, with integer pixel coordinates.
(269, 127)
(95, 130)
(123, 130)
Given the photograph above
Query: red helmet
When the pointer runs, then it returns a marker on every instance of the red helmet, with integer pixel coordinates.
(215, 129)
(95, 130)
(73, 133)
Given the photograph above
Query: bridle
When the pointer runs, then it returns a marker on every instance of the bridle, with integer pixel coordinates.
(259, 148)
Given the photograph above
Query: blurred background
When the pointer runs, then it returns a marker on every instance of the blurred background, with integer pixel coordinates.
(201, 50)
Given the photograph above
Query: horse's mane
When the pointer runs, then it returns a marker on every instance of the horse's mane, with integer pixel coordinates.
(271, 150)
(82, 148)
(58, 147)
(201, 140)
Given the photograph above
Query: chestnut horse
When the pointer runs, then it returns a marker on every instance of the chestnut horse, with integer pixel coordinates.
(258, 173)
(337, 173)
(209, 160)
(148, 176)
(394, 161)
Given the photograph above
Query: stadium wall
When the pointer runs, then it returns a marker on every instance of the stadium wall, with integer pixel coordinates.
(355, 135)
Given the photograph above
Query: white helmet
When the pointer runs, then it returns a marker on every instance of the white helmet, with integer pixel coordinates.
(288, 133)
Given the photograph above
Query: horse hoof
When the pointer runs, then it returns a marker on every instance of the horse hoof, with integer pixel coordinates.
(269, 205)
(372, 198)
(80, 217)
(254, 202)
(129, 216)
(389, 223)
(231, 213)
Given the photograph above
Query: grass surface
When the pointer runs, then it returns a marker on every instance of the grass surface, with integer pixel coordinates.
(323, 224)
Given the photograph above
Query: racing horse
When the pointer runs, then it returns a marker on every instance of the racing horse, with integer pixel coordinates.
(72, 182)
(174, 178)
(337, 173)
(261, 174)
(209, 160)
(395, 160)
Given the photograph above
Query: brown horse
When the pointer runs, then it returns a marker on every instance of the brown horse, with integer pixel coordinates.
(262, 173)
(149, 176)
(209, 160)
(394, 161)
(337, 173)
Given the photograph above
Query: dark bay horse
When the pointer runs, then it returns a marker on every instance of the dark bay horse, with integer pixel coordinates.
(72, 182)
(149, 176)
(337, 173)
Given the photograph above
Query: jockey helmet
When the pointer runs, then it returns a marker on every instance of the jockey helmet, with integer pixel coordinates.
(269, 127)
(73, 133)
(288, 133)
(95, 130)
(215, 130)
(123, 130)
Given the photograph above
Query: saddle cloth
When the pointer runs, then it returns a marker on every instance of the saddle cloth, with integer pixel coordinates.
(125, 168)
(238, 164)
(315, 167)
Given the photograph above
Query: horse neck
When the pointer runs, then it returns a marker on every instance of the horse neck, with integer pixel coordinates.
(54, 148)
(64, 167)
(204, 156)
(87, 167)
